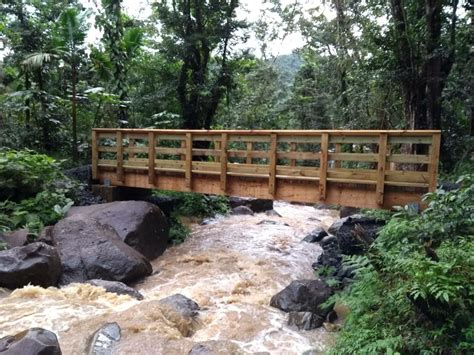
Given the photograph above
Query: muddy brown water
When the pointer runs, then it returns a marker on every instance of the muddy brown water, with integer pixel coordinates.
(231, 268)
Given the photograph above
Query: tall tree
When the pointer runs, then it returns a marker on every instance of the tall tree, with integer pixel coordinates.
(199, 34)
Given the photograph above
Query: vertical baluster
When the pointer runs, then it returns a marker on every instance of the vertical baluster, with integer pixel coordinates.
(189, 161)
(95, 155)
(323, 167)
(119, 156)
(223, 159)
(434, 161)
(151, 158)
(249, 153)
(381, 166)
(293, 148)
(337, 163)
(273, 163)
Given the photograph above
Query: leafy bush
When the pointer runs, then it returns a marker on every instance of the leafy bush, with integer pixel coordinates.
(33, 191)
(178, 231)
(24, 173)
(192, 204)
(414, 290)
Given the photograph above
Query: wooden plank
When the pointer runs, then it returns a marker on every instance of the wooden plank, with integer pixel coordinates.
(95, 155)
(107, 149)
(249, 138)
(293, 147)
(411, 140)
(151, 157)
(299, 155)
(356, 174)
(353, 140)
(370, 157)
(248, 168)
(381, 166)
(273, 163)
(172, 151)
(434, 161)
(133, 150)
(248, 159)
(407, 176)
(323, 166)
(189, 160)
(408, 158)
(206, 152)
(243, 154)
(338, 149)
(223, 177)
(119, 156)
(352, 181)
(170, 137)
(298, 139)
(183, 149)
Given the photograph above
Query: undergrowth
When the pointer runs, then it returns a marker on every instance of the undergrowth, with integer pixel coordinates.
(190, 204)
(33, 191)
(414, 290)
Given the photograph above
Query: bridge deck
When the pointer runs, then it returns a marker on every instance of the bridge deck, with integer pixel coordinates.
(351, 168)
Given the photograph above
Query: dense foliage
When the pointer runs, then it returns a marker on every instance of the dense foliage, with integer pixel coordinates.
(33, 191)
(414, 290)
(192, 205)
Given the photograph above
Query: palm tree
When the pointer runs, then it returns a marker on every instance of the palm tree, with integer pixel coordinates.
(68, 41)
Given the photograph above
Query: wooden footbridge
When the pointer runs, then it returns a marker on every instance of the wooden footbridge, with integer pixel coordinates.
(352, 168)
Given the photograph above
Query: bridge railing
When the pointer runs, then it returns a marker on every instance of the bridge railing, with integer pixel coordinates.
(308, 166)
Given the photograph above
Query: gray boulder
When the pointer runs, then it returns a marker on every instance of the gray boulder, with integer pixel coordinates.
(355, 233)
(304, 320)
(14, 239)
(257, 205)
(35, 341)
(303, 296)
(36, 264)
(91, 250)
(104, 339)
(140, 224)
(186, 307)
(346, 211)
(315, 236)
(242, 211)
(116, 287)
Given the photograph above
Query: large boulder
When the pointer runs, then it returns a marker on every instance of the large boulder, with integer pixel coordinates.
(91, 250)
(355, 233)
(116, 287)
(255, 204)
(36, 264)
(303, 296)
(35, 341)
(140, 224)
(242, 211)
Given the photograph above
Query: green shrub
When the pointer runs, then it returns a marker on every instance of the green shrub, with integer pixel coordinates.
(178, 231)
(24, 173)
(192, 204)
(414, 290)
(33, 191)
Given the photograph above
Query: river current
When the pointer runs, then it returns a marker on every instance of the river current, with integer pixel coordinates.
(230, 267)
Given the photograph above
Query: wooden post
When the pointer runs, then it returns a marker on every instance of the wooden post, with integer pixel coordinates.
(224, 163)
(189, 161)
(293, 148)
(249, 153)
(119, 156)
(272, 164)
(151, 158)
(323, 167)
(337, 163)
(433, 162)
(381, 166)
(95, 155)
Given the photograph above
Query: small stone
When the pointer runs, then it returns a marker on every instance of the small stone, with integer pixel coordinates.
(116, 287)
(104, 339)
(242, 210)
(315, 236)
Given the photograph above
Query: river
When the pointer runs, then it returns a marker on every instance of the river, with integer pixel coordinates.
(230, 267)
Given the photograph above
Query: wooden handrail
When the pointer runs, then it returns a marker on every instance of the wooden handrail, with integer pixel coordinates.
(364, 168)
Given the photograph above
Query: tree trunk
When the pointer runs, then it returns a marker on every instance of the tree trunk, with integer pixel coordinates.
(75, 152)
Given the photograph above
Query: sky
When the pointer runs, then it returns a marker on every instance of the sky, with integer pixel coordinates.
(141, 9)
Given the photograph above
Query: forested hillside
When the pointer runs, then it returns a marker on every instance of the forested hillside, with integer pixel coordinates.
(204, 65)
